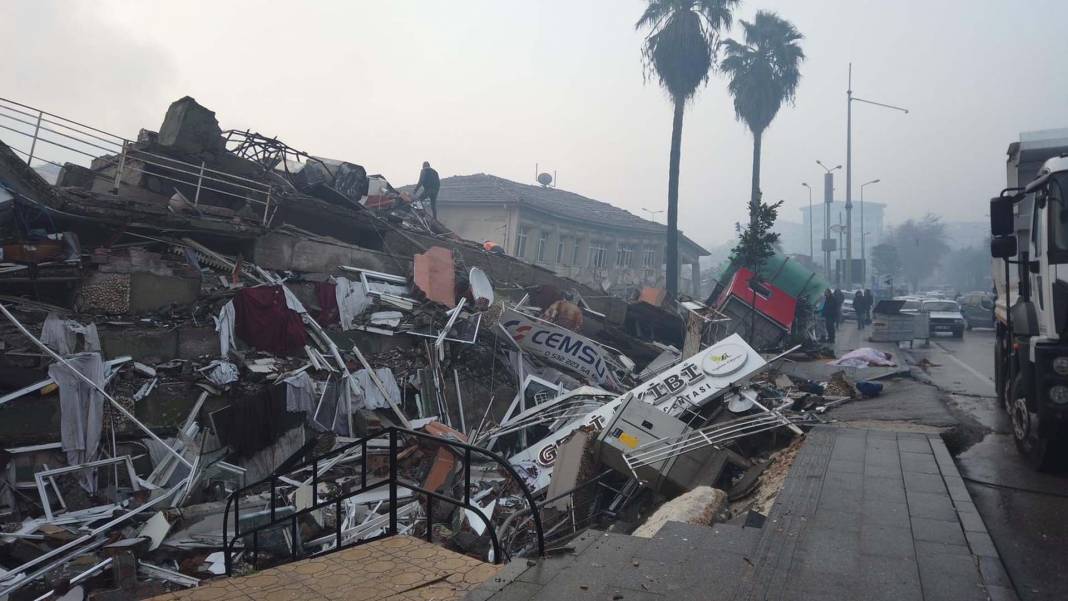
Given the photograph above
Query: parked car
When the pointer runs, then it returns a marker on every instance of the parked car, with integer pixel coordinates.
(912, 304)
(945, 317)
(848, 312)
(978, 309)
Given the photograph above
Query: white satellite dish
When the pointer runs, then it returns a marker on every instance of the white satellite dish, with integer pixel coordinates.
(481, 288)
(545, 179)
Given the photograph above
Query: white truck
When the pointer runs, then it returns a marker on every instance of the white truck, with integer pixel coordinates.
(1029, 244)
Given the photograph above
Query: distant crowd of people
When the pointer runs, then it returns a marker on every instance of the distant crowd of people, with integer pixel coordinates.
(832, 313)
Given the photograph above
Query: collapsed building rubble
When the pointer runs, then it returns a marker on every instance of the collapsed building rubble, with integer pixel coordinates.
(220, 353)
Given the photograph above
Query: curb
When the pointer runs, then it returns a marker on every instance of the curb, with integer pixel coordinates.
(991, 569)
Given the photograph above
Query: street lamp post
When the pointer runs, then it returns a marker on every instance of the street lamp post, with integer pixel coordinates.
(850, 99)
(652, 214)
(863, 226)
(828, 198)
(811, 248)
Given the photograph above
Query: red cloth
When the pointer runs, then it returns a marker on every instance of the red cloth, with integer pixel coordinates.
(326, 294)
(265, 322)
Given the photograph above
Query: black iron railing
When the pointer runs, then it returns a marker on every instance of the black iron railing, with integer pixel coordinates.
(392, 481)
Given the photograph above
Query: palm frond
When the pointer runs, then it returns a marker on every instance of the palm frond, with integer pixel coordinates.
(679, 54)
(764, 71)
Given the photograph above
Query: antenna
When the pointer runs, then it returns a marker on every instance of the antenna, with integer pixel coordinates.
(545, 179)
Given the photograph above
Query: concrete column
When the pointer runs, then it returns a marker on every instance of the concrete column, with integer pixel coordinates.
(696, 267)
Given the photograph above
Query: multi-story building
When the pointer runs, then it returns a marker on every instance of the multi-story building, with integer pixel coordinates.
(581, 238)
(872, 227)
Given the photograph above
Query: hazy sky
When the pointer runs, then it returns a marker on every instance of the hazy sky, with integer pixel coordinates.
(497, 86)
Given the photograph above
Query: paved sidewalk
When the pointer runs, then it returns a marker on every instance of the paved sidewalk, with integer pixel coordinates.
(399, 568)
(864, 514)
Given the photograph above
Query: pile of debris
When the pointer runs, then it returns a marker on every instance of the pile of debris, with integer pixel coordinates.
(220, 353)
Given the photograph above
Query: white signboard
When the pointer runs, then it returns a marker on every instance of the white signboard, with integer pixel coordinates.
(564, 348)
(692, 383)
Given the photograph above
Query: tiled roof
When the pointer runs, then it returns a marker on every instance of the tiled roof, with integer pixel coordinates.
(489, 188)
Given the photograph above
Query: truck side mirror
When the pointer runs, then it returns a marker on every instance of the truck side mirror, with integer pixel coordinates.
(1001, 218)
(1002, 247)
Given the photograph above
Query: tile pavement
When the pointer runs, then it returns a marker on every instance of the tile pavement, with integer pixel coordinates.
(863, 514)
(399, 568)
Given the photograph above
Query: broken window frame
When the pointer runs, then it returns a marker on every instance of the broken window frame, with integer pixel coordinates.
(39, 477)
(543, 242)
(624, 256)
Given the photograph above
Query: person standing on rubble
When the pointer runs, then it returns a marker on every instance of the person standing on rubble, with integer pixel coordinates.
(428, 186)
(830, 314)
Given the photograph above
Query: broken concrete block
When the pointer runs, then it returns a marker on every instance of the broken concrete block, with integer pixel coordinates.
(698, 507)
(191, 128)
(75, 176)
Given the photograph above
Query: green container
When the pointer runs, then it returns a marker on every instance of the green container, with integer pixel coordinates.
(790, 276)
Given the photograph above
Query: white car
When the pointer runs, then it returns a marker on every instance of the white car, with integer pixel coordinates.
(945, 317)
(911, 304)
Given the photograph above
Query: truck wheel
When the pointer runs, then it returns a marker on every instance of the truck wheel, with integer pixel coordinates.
(959, 333)
(1025, 429)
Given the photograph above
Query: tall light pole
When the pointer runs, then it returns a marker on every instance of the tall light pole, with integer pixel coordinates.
(828, 198)
(850, 99)
(653, 214)
(811, 248)
(863, 255)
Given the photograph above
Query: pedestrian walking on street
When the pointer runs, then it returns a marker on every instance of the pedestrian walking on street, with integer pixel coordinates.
(839, 301)
(858, 308)
(869, 303)
(830, 314)
(428, 186)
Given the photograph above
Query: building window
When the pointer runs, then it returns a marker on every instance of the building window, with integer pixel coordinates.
(624, 256)
(575, 252)
(560, 251)
(542, 243)
(521, 243)
(649, 257)
(598, 256)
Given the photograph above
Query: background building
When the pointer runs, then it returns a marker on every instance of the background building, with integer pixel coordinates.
(873, 227)
(581, 238)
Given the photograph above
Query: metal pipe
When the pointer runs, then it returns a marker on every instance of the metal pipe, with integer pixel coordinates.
(33, 145)
(200, 181)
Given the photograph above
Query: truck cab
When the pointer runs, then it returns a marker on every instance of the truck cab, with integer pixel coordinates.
(1029, 243)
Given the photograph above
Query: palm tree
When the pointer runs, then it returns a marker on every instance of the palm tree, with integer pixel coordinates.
(679, 49)
(764, 73)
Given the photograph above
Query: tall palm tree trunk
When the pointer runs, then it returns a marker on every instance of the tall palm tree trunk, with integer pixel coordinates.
(673, 201)
(754, 197)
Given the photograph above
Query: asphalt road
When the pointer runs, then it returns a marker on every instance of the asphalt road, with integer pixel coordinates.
(1026, 512)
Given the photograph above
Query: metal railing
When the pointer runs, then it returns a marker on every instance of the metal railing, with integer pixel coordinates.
(392, 481)
(77, 141)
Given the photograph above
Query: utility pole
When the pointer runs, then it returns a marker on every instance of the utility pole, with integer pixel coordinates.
(828, 198)
(850, 99)
(863, 254)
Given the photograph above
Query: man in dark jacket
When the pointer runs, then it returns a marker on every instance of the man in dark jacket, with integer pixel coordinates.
(860, 309)
(869, 304)
(427, 187)
(839, 301)
(830, 314)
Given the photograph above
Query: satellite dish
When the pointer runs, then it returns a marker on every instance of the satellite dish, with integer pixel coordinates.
(545, 179)
(739, 404)
(481, 288)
